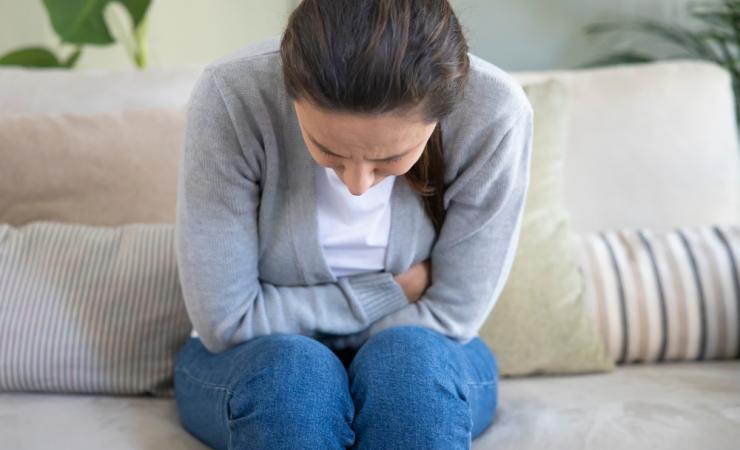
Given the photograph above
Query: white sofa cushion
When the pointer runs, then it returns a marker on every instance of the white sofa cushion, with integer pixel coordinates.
(651, 145)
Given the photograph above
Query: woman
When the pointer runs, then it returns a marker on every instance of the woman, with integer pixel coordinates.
(349, 205)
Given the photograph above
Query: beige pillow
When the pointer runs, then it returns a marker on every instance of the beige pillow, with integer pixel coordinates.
(541, 324)
(99, 169)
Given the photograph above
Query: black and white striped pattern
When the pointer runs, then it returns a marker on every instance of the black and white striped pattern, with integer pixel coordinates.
(89, 309)
(665, 296)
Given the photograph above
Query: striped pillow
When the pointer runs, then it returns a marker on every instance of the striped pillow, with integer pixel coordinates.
(89, 309)
(665, 296)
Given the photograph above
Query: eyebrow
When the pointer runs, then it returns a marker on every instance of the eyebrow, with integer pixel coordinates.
(324, 148)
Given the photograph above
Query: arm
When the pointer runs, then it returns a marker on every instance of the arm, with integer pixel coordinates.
(217, 243)
(474, 252)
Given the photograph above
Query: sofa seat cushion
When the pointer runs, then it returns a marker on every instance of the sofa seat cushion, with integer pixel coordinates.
(658, 406)
(646, 406)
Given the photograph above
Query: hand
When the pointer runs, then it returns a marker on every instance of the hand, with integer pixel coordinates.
(416, 279)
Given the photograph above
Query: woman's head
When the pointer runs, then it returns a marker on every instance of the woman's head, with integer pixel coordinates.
(363, 149)
(371, 79)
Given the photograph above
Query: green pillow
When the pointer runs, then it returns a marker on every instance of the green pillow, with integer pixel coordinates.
(540, 324)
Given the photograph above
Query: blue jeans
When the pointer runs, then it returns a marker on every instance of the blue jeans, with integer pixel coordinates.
(406, 387)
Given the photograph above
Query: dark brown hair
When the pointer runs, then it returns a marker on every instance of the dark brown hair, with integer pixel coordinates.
(381, 56)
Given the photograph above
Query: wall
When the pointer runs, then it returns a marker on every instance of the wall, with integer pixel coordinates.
(514, 34)
(540, 34)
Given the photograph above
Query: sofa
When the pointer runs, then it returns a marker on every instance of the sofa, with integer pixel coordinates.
(638, 156)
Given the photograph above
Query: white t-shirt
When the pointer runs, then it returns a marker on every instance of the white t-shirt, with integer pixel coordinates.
(353, 230)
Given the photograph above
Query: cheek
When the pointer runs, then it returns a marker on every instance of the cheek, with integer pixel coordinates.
(399, 168)
(402, 167)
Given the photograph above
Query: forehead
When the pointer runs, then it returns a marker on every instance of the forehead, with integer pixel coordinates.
(383, 133)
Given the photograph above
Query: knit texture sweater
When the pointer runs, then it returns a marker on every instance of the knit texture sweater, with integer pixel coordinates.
(249, 259)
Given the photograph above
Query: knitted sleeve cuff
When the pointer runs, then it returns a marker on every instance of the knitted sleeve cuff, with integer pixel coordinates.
(378, 293)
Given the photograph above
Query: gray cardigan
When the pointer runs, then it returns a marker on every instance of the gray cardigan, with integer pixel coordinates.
(249, 258)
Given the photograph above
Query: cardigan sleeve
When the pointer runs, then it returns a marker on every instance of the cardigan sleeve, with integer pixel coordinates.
(473, 255)
(217, 248)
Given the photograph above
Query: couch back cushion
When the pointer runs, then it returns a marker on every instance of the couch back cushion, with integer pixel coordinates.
(650, 145)
(92, 91)
(107, 168)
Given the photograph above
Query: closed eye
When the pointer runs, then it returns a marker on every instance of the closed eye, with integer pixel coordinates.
(392, 160)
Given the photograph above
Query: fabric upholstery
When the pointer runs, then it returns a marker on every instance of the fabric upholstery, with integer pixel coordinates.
(107, 168)
(650, 145)
(640, 407)
(652, 124)
(92, 91)
(540, 323)
(665, 295)
(87, 309)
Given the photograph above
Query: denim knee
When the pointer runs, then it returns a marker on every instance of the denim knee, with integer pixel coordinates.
(406, 390)
(299, 389)
(274, 391)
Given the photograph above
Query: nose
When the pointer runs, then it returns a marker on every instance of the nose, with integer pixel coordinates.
(358, 180)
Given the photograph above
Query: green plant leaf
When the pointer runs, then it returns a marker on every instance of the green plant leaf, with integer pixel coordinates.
(72, 59)
(142, 55)
(725, 44)
(715, 19)
(30, 57)
(81, 21)
(120, 25)
(724, 17)
(679, 36)
(627, 57)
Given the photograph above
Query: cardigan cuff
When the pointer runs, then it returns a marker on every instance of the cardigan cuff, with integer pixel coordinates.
(378, 293)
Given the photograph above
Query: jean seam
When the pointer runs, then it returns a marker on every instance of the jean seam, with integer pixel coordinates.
(205, 383)
(481, 384)
(451, 368)
(219, 387)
